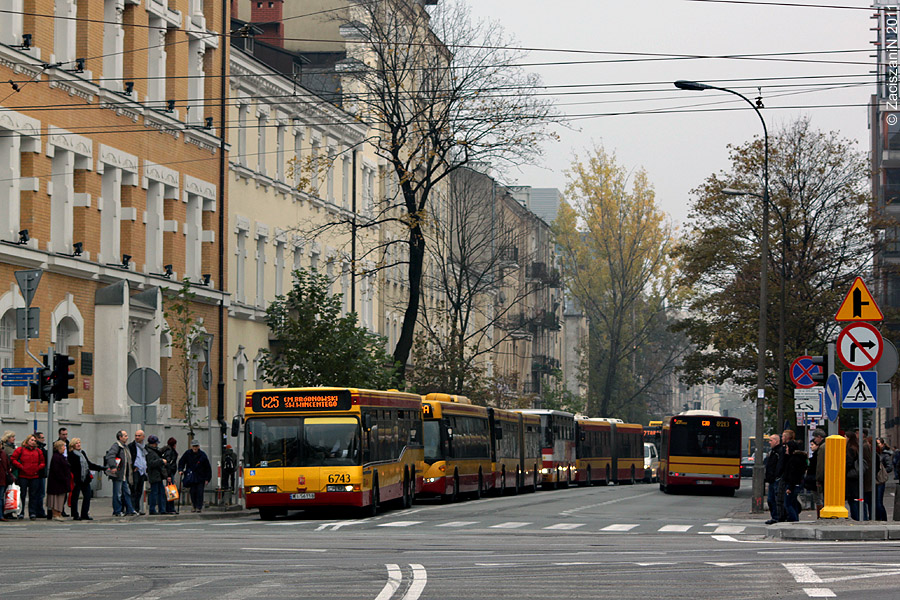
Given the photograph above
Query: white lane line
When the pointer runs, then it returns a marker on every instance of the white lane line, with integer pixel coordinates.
(399, 523)
(176, 589)
(335, 526)
(729, 529)
(620, 527)
(419, 579)
(282, 549)
(457, 524)
(18, 587)
(393, 583)
(608, 502)
(86, 591)
(802, 573)
(565, 526)
(675, 528)
(509, 525)
(819, 593)
(725, 538)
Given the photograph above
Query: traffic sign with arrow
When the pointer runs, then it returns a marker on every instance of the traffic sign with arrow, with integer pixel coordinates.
(859, 305)
(832, 396)
(859, 346)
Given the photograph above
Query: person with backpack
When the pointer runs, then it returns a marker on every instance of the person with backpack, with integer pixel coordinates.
(229, 467)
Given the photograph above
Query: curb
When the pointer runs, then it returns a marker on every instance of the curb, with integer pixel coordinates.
(840, 531)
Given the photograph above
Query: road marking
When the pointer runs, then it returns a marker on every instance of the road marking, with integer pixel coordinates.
(399, 524)
(89, 590)
(675, 528)
(819, 593)
(419, 579)
(653, 564)
(509, 525)
(18, 587)
(728, 529)
(176, 589)
(620, 527)
(727, 564)
(565, 526)
(608, 502)
(393, 583)
(802, 573)
(283, 549)
(335, 526)
(725, 538)
(457, 524)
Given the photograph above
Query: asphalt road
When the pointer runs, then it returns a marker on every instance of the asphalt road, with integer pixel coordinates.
(602, 542)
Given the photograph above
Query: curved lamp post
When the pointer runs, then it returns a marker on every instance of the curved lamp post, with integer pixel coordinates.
(758, 472)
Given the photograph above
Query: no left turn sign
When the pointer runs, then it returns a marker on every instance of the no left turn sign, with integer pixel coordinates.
(859, 346)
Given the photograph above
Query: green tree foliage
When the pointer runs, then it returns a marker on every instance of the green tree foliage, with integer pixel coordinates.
(819, 241)
(616, 256)
(184, 330)
(314, 345)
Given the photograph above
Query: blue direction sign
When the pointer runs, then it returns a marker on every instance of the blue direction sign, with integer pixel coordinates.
(832, 397)
(17, 376)
(17, 370)
(5, 383)
(802, 371)
(860, 389)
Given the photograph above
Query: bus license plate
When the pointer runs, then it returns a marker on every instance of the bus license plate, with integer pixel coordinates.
(302, 496)
(704, 482)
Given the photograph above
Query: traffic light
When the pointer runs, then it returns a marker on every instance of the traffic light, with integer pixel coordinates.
(62, 389)
(46, 379)
(821, 376)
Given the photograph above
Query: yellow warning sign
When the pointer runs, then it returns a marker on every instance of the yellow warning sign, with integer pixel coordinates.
(859, 305)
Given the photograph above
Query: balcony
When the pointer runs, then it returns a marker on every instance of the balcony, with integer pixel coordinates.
(536, 271)
(543, 364)
(508, 257)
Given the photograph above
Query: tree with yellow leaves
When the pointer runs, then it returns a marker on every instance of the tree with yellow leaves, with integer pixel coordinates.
(616, 257)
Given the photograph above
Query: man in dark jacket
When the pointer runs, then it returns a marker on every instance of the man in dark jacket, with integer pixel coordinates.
(138, 451)
(195, 473)
(171, 455)
(118, 467)
(156, 476)
(794, 469)
(772, 461)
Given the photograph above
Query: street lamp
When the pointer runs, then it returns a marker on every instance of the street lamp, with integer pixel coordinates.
(758, 472)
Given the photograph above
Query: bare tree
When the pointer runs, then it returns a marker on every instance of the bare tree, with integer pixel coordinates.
(439, 92)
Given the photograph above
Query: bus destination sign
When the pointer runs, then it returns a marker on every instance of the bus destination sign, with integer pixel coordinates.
(287, 400)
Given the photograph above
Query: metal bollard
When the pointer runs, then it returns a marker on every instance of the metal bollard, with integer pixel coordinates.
(835, 478)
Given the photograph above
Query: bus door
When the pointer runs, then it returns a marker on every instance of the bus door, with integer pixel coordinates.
(330, 450)
(271, 444)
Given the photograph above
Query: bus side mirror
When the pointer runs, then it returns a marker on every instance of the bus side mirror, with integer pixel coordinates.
(582, 437)
(449, 433)
(498, 433)
(236, 426)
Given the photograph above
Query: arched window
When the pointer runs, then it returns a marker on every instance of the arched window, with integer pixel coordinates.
(66, 335)
(7, 356)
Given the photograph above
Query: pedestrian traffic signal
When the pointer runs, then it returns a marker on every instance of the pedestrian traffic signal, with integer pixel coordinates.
(62, 388)
(820, 375)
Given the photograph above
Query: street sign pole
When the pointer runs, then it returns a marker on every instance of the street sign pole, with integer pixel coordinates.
(832, 425)
(861, 506)
(50, 359)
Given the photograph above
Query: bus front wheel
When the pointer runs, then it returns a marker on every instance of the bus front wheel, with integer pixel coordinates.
(632, 475)
(589, 481)
(372, 509)
(267, 514)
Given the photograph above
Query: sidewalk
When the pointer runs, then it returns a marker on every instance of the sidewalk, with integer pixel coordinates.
(103, 514)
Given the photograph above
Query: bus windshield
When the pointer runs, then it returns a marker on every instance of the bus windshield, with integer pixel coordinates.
(434, 449)
(693, 438)
(302, 442)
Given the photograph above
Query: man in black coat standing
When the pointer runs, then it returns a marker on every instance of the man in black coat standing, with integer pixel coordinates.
(196, 472)
(772, 464)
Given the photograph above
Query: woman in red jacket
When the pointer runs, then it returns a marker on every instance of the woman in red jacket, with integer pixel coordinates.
(29, 460)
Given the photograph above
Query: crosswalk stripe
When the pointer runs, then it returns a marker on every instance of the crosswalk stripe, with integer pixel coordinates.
(399, 524)
(675, 528)
(565, 526)
(620, 527)
(456, 524)
(509, 525)
(729, 529)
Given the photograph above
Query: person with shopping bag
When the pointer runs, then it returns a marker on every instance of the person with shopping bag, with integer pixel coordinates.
(6, 480)
(195, 473)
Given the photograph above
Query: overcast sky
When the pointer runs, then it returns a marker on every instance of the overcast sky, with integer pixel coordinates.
(680, 149)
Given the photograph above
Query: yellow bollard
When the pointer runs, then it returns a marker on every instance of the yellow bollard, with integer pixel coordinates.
(835, 478)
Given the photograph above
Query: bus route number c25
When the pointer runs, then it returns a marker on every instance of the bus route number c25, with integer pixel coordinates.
(339, 478)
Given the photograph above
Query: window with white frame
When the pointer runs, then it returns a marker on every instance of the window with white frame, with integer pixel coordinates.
(240, 251)
(13, 142)
(345, 182)
(314, 259)
(260, 270)
(7, 358)
(11, 32)
(113, 44)
(64, 31)
(345, 287)
(68, 152)
(329, 176)
(329, 272)
(156, 60)
(117, 170)
(193, 236)
(196, 80)
(298, 258)
(261, 121)
(314, 162)
(279, 266)
(243, 110)
(279, 151)
(298, 146)
(154, 226)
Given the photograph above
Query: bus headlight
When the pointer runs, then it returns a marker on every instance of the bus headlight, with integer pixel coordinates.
(545, 471)
(342, 488)
(264, 489)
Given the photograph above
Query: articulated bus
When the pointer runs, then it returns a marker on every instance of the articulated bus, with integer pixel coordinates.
(653, 433)
(700, 448)
(457, 447)
(593, 449)
(557, 446)
(628, 451)
(515, 450)
(315, 447)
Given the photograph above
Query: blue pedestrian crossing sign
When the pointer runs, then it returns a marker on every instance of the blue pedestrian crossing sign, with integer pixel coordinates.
(833, 397)
(860, 389)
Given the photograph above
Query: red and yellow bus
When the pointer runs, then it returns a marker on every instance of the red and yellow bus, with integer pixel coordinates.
(700, 449)
(457, 438)
(557, 446)
(531, 451)
(593, 449)
(515, 450)
(316, 447)
(628, 452)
